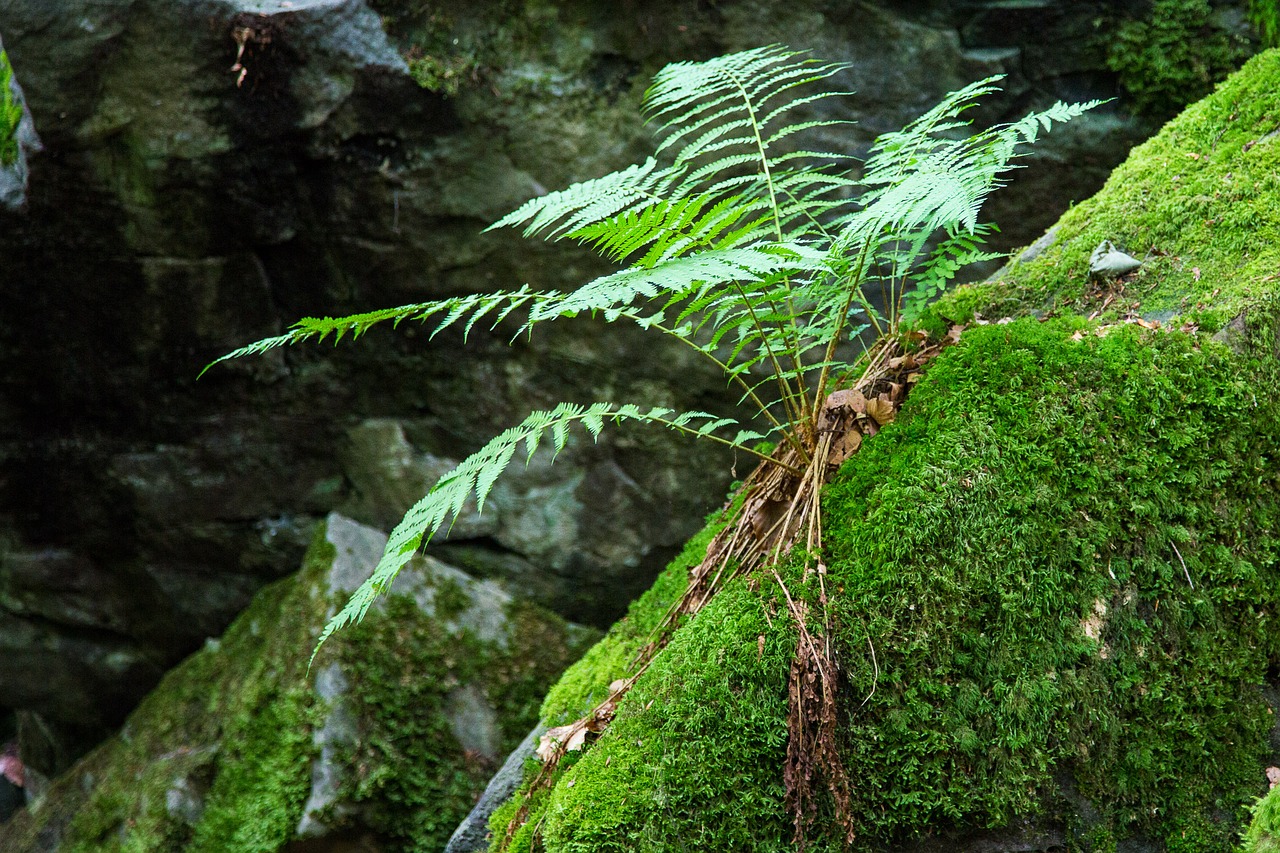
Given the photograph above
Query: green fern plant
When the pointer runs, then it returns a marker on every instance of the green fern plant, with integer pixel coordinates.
(760, 255)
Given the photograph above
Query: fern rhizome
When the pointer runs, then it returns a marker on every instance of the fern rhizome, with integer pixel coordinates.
(770, 260)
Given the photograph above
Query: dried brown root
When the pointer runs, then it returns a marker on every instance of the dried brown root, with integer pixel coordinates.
(813, 753)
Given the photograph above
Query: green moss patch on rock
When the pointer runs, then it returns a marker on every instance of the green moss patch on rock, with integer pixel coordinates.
(1056, 575)
(1263, 835)
(1065, 556)
(391, 735)
(1200, 203)
(10, 114)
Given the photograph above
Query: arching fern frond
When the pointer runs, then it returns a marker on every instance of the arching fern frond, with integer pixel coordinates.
(497, 305)
(561, 213)
(473, 479)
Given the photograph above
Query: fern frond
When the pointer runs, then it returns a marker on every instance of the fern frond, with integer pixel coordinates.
(474, 307)
(473, 479)
(680, 277)
(560, 213)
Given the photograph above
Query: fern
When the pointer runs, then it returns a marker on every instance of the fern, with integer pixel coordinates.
(760, 254)
(474, 477)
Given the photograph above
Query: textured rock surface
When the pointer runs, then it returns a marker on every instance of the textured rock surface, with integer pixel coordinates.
(472, 834)
(19, 141)
(215, 169)
(239, 749)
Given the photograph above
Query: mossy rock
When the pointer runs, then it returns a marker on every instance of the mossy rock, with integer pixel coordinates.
(1055, 578)
(388, 738)
(1199, 203)
(1263, 835)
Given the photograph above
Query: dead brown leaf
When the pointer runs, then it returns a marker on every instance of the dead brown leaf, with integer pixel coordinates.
(903, 362)
(848, 398)
(844, 447)
(881, 409)
(561, 739)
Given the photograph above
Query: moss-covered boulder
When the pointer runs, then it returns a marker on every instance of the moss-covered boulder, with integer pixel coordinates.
(1054, 579)
(224, 167)
(1263, 835)
(389, 737)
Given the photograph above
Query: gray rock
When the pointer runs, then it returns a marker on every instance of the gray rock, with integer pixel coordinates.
(246, 708)
(333, 739)
(472, 835)
(1042, 243)
(473, 721)
(13, 176)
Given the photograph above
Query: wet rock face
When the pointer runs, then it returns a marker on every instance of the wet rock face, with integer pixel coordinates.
(215, 169)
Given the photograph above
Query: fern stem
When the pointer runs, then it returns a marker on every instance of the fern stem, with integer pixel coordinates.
(795, 414)
(791, 469)
(750, 392)
(855, 289)
(794, 344)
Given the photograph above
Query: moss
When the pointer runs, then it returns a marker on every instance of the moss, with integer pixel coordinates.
(412, 780)
(246, 693)
(1056, 573)
(1263, 834)
(1172, 57)
(10, 114)
(1265, 15)
(695, 757)
(410, 772)
(1012, 548)
(447, 54)
(218, 757)
(1200, 202)
(586, 683)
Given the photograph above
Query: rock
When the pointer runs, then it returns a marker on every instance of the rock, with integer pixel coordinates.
(17, 141)
(1106, 261)
(1050, 584)
(183, 208)
(472, 835)
(390, 736)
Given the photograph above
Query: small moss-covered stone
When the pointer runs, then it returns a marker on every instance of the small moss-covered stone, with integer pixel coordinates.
(1199, 203)
(391, 734)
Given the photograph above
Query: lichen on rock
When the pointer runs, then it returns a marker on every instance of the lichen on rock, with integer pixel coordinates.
(390, 735)
(1055, 577)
